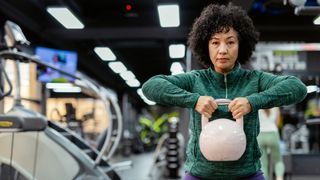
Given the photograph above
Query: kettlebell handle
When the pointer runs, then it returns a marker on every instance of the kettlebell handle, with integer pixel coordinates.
(220, 102)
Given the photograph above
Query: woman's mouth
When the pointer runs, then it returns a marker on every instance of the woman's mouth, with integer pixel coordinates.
(223, 60)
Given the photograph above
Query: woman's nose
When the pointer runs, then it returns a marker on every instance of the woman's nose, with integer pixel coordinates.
(223, 48)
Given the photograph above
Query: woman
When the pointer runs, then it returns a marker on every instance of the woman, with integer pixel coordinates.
(222, 38)
(269, 139)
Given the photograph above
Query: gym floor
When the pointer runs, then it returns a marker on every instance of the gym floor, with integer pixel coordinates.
(143, 169)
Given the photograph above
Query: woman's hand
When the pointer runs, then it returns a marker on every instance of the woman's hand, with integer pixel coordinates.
(206, 105)
(239, 107)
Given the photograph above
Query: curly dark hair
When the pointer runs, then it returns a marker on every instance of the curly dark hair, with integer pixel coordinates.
(218, 18)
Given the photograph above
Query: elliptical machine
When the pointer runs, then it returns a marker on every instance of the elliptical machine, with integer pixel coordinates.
(31, 147)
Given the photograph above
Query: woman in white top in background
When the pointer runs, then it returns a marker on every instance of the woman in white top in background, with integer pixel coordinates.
(269, 139)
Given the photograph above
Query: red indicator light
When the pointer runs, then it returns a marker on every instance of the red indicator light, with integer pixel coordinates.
(128, 7)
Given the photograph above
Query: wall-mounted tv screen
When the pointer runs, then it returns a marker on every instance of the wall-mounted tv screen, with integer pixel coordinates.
(61, 59)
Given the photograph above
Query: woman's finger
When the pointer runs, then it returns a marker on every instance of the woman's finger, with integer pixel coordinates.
(213, 105)
(206, 114)
(237, 114)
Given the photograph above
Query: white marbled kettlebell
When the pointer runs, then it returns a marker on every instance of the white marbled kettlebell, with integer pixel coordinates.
(222, 139)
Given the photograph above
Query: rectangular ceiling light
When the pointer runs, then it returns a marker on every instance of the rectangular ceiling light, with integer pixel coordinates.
(133, 83)
(65, 17)
(58, 85)
(67, 90)
(176, 68)
(316, 21)
(105, 53)
(177, 50)
(117, 67)
(139, 91)
(127, 75)
(146, 100)
(169, 15)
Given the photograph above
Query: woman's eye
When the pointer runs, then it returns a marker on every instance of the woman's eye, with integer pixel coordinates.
(214, 43)
(231, 42)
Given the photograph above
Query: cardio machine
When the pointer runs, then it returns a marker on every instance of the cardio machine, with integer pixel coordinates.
(31, 147)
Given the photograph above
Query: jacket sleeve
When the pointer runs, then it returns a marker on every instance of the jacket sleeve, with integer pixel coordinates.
(275, 91)
(172, 90)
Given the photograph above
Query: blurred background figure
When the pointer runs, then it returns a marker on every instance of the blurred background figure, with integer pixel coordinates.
(269, 142)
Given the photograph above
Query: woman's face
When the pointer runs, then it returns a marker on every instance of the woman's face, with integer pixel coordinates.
(223, 50)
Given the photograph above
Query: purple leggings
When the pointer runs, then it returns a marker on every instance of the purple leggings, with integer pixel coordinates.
(256, 176)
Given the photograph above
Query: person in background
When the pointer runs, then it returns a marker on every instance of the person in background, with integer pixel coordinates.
(269, 140)
(222, 38)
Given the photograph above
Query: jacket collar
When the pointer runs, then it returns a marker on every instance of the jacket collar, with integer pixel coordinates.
(230, 76)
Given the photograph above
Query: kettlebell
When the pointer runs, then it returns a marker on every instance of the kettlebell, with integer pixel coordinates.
(222, 139)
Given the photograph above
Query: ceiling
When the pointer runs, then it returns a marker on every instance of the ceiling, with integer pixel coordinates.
(135, 36)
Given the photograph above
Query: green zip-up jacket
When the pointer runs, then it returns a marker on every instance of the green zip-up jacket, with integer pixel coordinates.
(263, 90)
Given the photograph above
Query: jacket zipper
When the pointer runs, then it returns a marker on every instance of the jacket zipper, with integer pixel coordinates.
(225, 83)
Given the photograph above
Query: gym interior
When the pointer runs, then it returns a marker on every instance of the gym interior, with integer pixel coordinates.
(71, 100)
